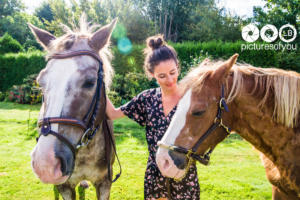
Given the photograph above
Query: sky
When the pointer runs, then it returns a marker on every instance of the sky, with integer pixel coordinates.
(238, 7)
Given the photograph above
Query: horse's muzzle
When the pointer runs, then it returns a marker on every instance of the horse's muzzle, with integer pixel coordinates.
(52, 161)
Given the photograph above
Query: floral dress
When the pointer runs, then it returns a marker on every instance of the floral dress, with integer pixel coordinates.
(147, 110)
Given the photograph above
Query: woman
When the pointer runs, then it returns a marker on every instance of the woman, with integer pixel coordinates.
(154, 109)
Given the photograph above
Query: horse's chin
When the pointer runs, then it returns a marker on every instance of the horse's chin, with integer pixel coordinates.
(57, 181)
(174, 173)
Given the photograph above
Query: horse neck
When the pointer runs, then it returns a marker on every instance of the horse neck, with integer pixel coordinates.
(256, 124)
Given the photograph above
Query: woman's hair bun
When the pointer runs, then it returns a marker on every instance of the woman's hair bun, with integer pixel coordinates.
(155, 42)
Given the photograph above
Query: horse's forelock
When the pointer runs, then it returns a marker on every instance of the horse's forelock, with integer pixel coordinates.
(79, 40)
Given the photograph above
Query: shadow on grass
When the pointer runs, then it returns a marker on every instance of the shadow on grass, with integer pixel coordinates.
(232, 138)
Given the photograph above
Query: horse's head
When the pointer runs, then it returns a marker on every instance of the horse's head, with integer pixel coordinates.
(69, 85)
(197, 111)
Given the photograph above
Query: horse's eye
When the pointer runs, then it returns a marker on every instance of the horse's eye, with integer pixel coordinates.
(89, 83)
(198, 113)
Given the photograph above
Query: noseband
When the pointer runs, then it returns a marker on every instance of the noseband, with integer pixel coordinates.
(191, 153)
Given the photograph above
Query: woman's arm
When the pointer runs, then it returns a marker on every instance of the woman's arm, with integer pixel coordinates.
(112, 112)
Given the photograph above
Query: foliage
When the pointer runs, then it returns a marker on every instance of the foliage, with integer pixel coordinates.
(16, 26)
(26, 93)
(129, 85)
(15, 67)
(278, 13)
(170, 16)
(129, 67)
(2, 96)
(44, 12)
(136, 25)
(130, 62)
(177, 20)
(207, 22)
(10, 7)
(9, 44)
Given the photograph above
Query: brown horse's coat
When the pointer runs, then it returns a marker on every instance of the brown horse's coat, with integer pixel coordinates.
(264, 109)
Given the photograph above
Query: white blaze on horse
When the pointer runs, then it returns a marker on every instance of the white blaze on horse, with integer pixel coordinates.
(72, 145)
(262, 105)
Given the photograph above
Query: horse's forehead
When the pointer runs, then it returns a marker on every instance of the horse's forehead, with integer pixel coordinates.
(60, 69)
(64, 67)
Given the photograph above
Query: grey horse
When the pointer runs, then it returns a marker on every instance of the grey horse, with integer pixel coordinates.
(69, 83)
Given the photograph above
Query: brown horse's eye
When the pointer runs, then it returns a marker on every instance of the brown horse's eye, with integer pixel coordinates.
(198, 113)
(89, 83)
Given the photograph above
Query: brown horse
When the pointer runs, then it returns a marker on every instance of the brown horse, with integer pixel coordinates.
(263, 107)
(71, 146)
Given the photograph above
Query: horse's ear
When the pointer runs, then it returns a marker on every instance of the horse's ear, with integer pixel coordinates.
(101, 37)
(42, 36)
(222, 72)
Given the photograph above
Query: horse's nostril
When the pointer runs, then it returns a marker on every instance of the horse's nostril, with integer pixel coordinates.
(166, 164)
(179, 159)
(63, 166)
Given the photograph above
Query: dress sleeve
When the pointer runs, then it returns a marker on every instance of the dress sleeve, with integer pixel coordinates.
(135, 109)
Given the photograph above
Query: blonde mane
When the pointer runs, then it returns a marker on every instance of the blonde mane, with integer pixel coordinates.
(285, 86)
(85, 30)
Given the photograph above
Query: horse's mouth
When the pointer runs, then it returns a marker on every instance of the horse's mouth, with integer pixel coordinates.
(57, 181)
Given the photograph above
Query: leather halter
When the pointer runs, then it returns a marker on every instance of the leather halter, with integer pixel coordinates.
(191, 153)
(88, 124)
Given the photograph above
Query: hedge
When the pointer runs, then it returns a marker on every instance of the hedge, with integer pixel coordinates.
(14, 67)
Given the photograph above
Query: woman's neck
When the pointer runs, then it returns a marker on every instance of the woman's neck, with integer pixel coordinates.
(172, 92)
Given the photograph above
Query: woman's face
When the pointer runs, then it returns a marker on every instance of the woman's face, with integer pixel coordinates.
(166, 74)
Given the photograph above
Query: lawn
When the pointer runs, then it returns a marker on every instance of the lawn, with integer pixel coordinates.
(235, 173)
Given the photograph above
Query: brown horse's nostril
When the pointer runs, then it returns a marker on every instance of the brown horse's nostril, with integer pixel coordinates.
(166, 164)
(179, 159)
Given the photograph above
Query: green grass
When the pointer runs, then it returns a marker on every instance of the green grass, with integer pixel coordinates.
(235, 173)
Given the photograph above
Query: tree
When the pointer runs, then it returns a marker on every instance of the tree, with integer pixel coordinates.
(137, 26)
(279, 13)
(170, 16)
(16, 26)
(44, 12)
(207, 22)
(9, 7)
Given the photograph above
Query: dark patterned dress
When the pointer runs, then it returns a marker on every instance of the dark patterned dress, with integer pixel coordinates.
(147, 110)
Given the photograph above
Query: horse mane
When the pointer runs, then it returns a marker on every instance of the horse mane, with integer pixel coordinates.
(85, 30)
(284, 84)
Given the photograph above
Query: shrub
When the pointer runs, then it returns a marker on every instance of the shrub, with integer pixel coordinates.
(130, 85)
(26, 93)
(2, 96)
(9, 45)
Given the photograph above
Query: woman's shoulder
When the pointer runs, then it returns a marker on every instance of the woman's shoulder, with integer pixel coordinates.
(150, 93)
